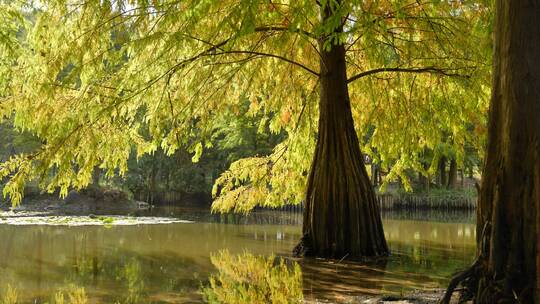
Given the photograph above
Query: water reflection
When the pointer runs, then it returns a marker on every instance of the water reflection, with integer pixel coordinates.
(251, 279)
(11, 295)
(168, 263)
(432, 215)
(71, 294)
(261, 217)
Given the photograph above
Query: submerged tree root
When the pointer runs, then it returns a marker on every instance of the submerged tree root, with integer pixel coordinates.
(467, 278)
(479, 284)
(303, 248)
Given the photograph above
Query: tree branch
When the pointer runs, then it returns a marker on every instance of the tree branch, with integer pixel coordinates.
(429, 70)
(284, 29)
(266, 55)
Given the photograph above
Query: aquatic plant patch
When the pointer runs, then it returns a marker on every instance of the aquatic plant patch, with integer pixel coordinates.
(19, 220)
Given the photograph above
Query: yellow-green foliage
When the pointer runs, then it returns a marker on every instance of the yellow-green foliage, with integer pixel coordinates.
(71, 295)
(94, 79)
(11, 295)
(261, 181)
(253, 279)
(58, 298)
(132, 275)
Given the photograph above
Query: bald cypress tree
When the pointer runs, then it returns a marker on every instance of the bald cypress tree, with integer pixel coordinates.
(508, 263)
(98, 80)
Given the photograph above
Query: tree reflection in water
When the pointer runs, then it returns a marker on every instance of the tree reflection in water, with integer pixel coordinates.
(167, 263)
(71, 294)
(247, 278)
(10, 296)
(338, 281)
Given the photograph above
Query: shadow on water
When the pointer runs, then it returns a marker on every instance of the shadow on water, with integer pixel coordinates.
(169, 263)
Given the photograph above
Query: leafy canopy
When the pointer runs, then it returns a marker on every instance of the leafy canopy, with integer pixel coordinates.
(94, 78)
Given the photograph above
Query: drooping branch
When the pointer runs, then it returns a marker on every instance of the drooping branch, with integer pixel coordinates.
(259, 29)
(267, 55)
(212, 50)
(429, 70)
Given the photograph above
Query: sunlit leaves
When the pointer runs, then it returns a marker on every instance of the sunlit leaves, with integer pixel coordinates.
(93, 79)
(97, 78)
(408, 113)
(12, 23)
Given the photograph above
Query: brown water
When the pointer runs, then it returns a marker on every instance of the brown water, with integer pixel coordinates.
(168, 263)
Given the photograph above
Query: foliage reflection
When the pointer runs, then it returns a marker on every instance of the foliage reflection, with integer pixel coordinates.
(247, 278)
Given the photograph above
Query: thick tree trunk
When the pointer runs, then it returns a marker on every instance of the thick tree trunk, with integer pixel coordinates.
(510, 191)
(452, 174)
(341, 216)
(508, 220)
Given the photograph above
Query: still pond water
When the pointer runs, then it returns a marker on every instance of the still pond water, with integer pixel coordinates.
(168, 263)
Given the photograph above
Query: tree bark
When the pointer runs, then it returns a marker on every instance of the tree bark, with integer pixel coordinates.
(508, 215)
(341, 216)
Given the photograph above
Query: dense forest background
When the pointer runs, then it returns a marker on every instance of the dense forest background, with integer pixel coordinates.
(186, 177)
(182, 177)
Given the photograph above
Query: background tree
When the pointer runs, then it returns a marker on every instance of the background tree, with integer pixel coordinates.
(186, 177)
